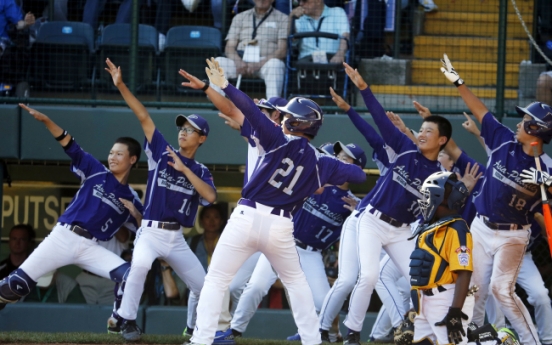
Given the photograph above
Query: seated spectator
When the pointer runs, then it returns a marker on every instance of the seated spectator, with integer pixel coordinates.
(10, 14)
(96, 289)
(203, 245)
(256, 46)
(56, 287)
(21, 244)
(313, 15)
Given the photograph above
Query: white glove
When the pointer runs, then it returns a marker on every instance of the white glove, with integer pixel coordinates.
(216, 74)
(534, 176)
(449, 71)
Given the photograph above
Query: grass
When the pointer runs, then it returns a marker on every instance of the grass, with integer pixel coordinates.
(97, 338)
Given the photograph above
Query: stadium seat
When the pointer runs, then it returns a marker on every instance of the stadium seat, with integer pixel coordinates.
(63, 56)
(310, 79)
(187, 47)
(115, 45)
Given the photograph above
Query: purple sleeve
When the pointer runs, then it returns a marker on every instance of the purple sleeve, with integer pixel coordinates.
(206, 177)
(336, 172)
(246, 131)
(462, 162)
(494, 133)
(369, 133)
(269, 133)
(393, 137)
(12, 12)
(157, 146)
(82, 163)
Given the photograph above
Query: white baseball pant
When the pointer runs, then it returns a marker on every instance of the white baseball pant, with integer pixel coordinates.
(434, 309)
(530, 280)
(347, 273)
(240, 280)
(497, 255)
(250, 230)
(63, 247)
(272, 73)
(152, 243)
(373, 234)
(394, 292)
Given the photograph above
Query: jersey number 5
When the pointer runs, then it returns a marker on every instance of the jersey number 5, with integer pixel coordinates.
(289, 189)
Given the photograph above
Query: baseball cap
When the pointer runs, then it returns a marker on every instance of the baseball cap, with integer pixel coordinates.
(353, 151)
(46, 279)
(327, 148)
(196, 121)
(272, 103)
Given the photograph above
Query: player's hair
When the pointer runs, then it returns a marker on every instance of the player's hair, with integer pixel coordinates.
(134, 147)
(31, 234)
(443, 125)
(218, 208)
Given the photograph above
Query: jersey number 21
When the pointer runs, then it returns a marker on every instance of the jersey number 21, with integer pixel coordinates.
(285, 172)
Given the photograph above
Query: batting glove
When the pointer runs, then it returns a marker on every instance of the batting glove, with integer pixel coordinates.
(216, 74)
(453, 322)
(534, 176)
(449, 72)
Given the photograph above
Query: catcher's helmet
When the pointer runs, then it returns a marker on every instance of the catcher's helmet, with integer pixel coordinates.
(433, 193)
(327, 148)
(541, 124)
(306, 115)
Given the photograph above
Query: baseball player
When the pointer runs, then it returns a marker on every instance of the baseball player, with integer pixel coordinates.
(174, 191)
(102, 205)
(288, 170)
(441, 264)
(385, 223)
(506, 204)
(317, 226)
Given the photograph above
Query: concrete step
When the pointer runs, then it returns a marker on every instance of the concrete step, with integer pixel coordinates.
(468, 49)
(473, 24)
(483, 6)
(439, 91)
(427, 72)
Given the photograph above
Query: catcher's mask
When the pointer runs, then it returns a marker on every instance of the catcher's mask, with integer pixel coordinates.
(433, 193)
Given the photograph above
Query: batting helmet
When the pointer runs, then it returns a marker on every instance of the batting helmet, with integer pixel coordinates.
(306, 115)
(433, 193)
(327, 148)
(541, 124)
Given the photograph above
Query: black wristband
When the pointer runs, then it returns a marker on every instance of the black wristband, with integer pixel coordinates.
(459, 82)
(62, 136)
(206, 86)
(69, 144)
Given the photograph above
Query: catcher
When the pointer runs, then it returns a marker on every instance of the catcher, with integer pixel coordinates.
(441, 265)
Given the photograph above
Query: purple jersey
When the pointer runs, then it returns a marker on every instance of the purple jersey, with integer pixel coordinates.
(504, 198)
(379, 153)
(252, 152)
(288, 168)
(398, 194)
(461, 163)
(318, 223)
(96, 206)
(170, 196)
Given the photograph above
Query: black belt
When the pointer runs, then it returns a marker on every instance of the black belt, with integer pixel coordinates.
(429, 292)
(501, 226)
(306, 246)
(78, 230)
(387, 219)
(275, 211)
(163, 225)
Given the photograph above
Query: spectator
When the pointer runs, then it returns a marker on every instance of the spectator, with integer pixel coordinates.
(256, 46)
(96, 289)
(56, 287)
(203, 245)
(21, 242)
(10, 13)
(313, 15)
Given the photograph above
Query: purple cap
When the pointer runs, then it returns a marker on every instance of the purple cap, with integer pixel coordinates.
(196, 121)
(353, 151)
(327, 148)
(272, 103)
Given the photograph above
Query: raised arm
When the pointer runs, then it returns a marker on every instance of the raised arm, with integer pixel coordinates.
(475, 105)
(471, 127)
(138, 108)
(222, 103)
(57, 132)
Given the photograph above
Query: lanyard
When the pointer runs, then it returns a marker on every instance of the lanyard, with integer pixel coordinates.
(255, 26)
(318, 28)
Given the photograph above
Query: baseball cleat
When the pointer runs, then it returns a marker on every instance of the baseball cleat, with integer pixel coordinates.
(188, 332)
(131, 331)
(227, 337)
(114, 325)
(295, 337)
(507, 337)
(325, 335)
(353, 338)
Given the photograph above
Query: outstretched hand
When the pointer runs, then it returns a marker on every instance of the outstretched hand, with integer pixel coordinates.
(423, 111)
(350, 203)
(177, 164)
(115, 72)
(35, 113)
(193, 82)
(470, 126)
(355, 77)
(230, 122)
(471, 176)
(216, 73)
(397, 121)
(340, 102)
(449, 71)
(131, 208)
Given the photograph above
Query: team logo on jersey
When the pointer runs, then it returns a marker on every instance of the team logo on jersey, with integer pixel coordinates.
(512, 179)
(463, 249)
(109, 199)
(301, 151)
(178, 184)
(463, 259)
(512, 153)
